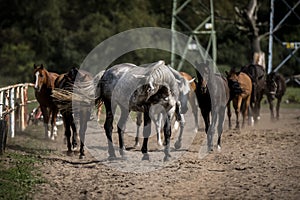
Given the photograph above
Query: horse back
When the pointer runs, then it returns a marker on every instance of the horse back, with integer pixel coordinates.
(223, 89)
(245, 83)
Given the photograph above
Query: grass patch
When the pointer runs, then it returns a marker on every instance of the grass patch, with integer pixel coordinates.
(18, 175)
(292, 95)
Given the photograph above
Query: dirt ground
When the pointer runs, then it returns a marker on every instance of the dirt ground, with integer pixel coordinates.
(260, 162)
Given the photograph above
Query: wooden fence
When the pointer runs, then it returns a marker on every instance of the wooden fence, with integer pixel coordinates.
(13, 110)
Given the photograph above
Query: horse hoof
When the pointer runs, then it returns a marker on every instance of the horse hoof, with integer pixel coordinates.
(136, 145)
(177, 145)
(81, 156)
(74, 148)
(112, 156)
(53, 138)
(69, 153)
(167, 158)
(159, 143)
(146, 156)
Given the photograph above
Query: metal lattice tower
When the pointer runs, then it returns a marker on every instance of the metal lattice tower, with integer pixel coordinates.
(292, 46)
(205, 27)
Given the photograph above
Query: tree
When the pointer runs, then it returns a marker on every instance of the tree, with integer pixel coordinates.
(248, 23)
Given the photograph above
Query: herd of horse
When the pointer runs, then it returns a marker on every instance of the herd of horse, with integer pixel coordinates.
(157, 93)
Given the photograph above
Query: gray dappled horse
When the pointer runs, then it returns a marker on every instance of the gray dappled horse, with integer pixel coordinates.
(135, 88)
(212, 94)
(158, 114)
(275, 88)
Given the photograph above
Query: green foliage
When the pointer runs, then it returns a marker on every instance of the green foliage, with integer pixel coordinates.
(292, 95)
(18, 176)
(61, 33)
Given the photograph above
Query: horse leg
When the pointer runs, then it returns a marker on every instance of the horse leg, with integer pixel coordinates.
(211, 131)
(237, 106)
(229, 114)
(121, 130)
(158, 127)
(138, 125)
(205, 115)
(74, 130)
(99, 111)
(178, 144)
(245, 110)
(221, 122)
(192, 101)
(167, 135)
(46, 121)
(84, 117)
(66, 119)
(271, 106)
(146, 135)
(108, 127)
(258, 106)
(53, 123)
(251, 113)
(278, 107)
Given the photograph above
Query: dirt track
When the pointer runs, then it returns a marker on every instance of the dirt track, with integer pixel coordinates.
(256, 162)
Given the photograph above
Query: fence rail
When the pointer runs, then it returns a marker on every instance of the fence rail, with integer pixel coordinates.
(13, 109)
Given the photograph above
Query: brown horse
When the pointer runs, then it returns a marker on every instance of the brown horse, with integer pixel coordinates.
(192, 97)
(240, 86)
(43, 85)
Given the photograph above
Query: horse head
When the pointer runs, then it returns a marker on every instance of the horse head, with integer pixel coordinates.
(40, 77)
(233, 82)
(203, 74)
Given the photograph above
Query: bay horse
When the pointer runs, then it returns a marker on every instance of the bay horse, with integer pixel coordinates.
(43, 85)
(275, 88)
(240, 86)
(192, 97)
(257, 75)
(212, 94)
(81, 83)
(65, 82)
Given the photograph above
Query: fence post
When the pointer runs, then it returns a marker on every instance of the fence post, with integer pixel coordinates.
(12, 114)
(23, 108)
(1, 103)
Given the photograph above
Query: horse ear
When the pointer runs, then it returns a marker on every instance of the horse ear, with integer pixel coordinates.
(42, 66)
(34, 66)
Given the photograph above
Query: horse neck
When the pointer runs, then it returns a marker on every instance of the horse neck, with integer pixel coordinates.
(48, 82)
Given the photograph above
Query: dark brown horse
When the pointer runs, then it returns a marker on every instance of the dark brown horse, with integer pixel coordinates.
(43, 85)
(66, 82)
(212, 94)
(275, 88)
(240, 86)
(257, 75)
(81, 84)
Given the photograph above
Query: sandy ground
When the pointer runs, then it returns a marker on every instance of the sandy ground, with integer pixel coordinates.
(260, 162)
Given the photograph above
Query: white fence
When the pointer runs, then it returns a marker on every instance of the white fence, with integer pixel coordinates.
(13, 106)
